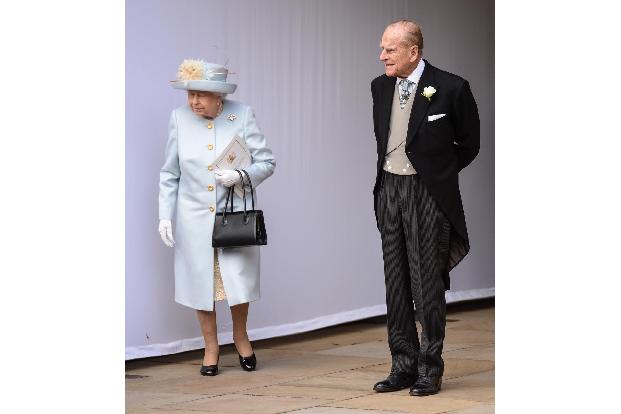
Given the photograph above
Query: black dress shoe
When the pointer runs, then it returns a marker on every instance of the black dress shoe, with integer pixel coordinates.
(394, 382)
(209, 370)
(426, 386)
(248, 363)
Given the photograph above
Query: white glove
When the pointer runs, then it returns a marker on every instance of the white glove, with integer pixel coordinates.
(227, 178)
(165, 229)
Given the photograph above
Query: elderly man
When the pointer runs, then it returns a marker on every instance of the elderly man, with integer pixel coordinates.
(427, 130)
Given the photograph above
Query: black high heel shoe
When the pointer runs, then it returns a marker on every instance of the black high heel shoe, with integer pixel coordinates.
(248, 363)
(210, 370)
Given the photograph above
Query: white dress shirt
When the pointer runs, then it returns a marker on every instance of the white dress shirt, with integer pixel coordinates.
(415, 75)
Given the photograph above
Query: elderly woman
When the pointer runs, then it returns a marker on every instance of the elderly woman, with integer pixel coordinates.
(192, 190)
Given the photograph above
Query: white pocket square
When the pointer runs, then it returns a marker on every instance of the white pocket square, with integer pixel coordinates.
(434, 117)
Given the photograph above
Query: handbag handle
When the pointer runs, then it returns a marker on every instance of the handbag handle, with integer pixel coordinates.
(251, 188)
(230, 195)
(243, 186)
(226, 204)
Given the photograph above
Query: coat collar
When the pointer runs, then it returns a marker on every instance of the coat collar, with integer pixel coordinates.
(419, 108)
(386, 99)
(228, 115)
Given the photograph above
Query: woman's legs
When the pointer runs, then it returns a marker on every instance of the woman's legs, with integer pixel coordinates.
(240, 335)
(207, 321)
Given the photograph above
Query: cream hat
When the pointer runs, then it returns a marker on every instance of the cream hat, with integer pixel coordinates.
(198, 75)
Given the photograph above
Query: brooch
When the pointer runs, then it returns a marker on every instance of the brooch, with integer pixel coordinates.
(232, 117)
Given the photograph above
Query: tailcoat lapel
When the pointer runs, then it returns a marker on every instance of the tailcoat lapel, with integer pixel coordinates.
(387, 94)
(419, 108)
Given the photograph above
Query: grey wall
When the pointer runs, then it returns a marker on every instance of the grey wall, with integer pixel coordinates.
(305, 67)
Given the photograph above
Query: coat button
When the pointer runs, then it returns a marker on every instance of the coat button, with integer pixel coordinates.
(210, 147)
(209, 125)
(212, 209)
(210, 187)
(210, 168)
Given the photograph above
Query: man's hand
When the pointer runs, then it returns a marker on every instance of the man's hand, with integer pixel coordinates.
(165, 230)
(227, 178)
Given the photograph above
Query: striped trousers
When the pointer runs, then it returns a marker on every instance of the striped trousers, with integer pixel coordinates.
(415, 243)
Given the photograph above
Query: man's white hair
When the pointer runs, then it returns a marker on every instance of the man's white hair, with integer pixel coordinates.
(413, 34)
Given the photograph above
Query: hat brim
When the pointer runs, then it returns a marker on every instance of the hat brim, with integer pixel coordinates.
(205, 86)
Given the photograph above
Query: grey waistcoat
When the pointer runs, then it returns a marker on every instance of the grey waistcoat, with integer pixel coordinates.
(397, 161)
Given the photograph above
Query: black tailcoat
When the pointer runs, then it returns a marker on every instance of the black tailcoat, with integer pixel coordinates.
(438, 149)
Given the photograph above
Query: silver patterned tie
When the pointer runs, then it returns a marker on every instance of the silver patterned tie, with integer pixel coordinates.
(405, 90)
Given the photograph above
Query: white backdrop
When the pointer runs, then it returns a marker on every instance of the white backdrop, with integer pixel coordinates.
(305, 67)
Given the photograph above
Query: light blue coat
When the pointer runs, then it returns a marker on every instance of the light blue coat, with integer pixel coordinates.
(186, 199)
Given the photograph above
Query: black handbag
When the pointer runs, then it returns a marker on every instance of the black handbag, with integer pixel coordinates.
(239, 228)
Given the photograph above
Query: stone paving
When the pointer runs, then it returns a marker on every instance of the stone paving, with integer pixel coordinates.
(328, 371)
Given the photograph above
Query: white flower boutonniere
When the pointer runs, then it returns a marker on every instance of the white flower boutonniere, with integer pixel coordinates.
(428, 92)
